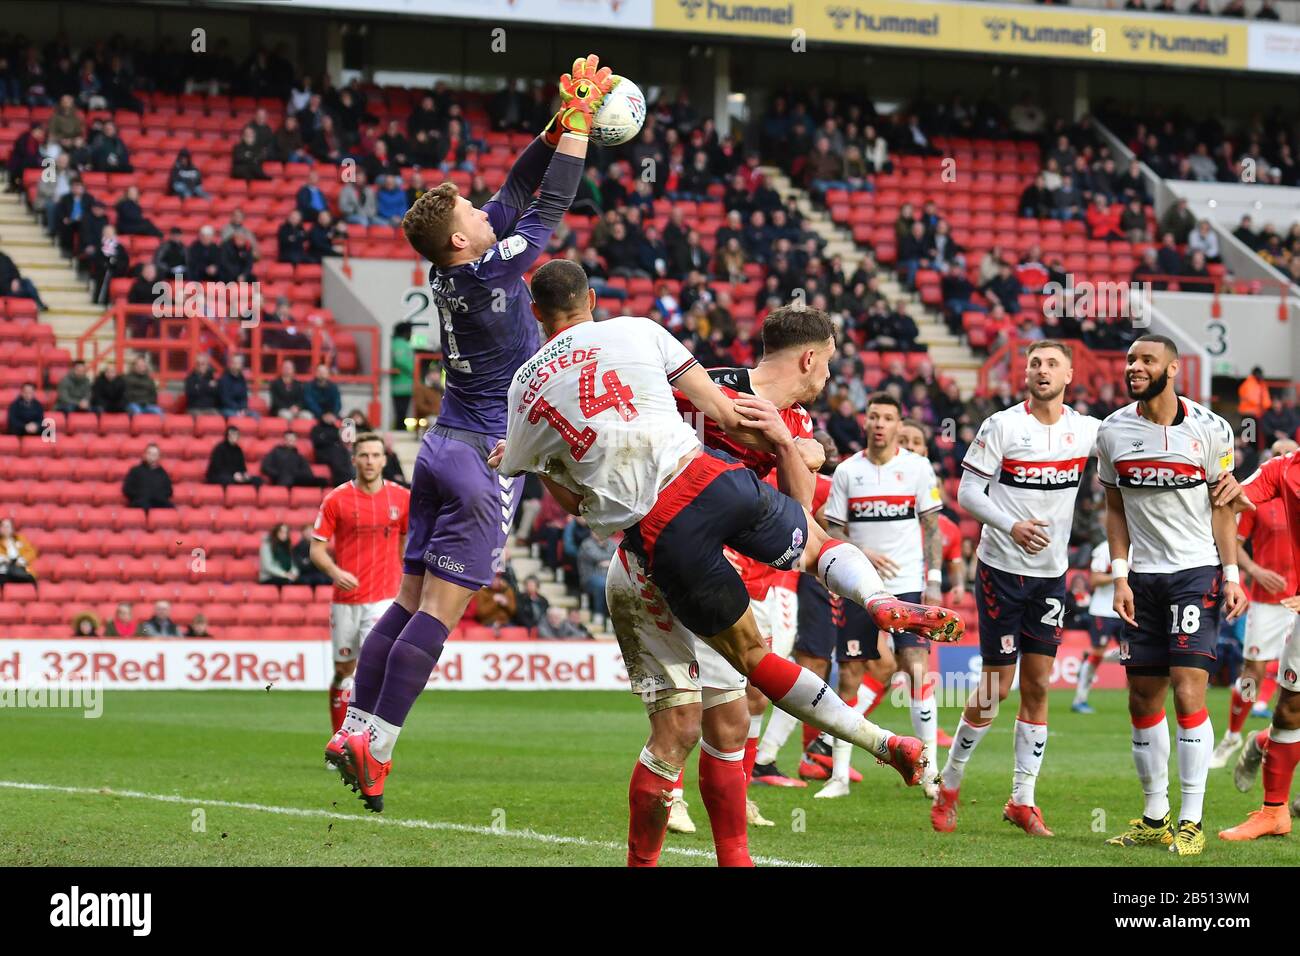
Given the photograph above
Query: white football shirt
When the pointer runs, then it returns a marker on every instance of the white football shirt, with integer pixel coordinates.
(881, 505)
(593, 411)
(1102, 603)
(1034, 471)
(1162, 473)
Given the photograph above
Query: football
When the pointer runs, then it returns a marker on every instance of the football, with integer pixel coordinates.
(620, 116)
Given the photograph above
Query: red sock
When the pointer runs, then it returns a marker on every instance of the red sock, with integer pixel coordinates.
(1237, 710)
(1261, 740)
(722, 785)
(810, 733)
(775, 675)
(751, 753)
(1267, 687)
(648, 796)
(1095, 659)
(1279, 769)
(339, 699)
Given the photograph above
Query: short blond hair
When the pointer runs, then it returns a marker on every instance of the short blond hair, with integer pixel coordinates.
(430, 222)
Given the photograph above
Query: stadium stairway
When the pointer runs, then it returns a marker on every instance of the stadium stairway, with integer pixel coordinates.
(72, 309)
(947, 351)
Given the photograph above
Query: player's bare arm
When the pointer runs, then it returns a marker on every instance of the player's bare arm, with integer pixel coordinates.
(1268, 579)
(932, 544)
(1224, 523)
(1117, 536)
(570, 501)
(321, 557)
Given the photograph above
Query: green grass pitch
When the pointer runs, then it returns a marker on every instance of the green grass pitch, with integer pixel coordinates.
(517, 778)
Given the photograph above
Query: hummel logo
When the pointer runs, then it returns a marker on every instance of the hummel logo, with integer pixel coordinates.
(966, 743)
(1038, 750)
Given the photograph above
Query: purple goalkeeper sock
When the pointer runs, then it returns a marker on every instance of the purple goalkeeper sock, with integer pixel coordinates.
(373, 659)
(410, 663)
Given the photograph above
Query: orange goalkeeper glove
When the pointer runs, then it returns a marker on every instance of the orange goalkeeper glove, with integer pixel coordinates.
(581, 93)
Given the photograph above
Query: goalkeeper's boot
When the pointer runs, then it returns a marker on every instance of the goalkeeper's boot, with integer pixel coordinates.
(370, 772)
(935, 623)
(336, 755)
(1141, 833)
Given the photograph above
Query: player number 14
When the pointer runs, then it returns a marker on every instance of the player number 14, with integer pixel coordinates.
(616, 396)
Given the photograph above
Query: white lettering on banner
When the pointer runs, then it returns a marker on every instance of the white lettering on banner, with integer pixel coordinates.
(163, 664)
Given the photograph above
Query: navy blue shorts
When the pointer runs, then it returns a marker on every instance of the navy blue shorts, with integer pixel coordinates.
(461, 510)
(715, 501)
(1018, 614)
(1103, 630)
(1178, 621)
(820, 616)
(859, 638)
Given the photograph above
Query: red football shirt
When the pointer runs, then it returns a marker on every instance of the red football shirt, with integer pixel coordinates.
(734, 382)
(951, 538)
(759, 578)
(367, 531)
(1278, 480)
(1271, 547)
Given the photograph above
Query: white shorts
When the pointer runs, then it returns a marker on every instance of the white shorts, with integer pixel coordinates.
(1288, 663)
(777, 616)
(1267, 628)
(349, 625)
(667, 665)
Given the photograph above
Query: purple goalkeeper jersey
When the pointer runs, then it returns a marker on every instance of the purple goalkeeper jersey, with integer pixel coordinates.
(488, 328)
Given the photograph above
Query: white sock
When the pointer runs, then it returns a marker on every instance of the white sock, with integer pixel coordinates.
(846, 571)
(964, 742)
(1195, 746)
(925, 724)
(811, 700)
(1151, 757)
(755, 725)
(842, 751)
(355, 720)
(1087, 674)
(383, 737)
(1031, 741)
(779, 727)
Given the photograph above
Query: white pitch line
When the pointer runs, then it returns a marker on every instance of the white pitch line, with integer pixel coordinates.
(531, 835)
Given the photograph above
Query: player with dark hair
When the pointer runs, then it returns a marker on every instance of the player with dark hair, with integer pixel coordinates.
(1157, 459)
(593, 413)
(367, 520)
(461, 510)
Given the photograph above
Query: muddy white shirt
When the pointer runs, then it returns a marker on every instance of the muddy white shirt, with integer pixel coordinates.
(593, 410)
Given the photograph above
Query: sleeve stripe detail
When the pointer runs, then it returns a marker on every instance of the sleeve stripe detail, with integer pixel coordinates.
(683, 368)
(930, 511)
(970, 467)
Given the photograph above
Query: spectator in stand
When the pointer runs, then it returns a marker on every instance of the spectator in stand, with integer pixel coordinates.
(557, 626)
(108, 154)
(1036, 199)
(203, 259)
(171, 254)
(325, 237)
(232, 388)
(86, 624)
(308, 574)
(66, 122)
(845, 430)
(403, 374)
(291, 240)
(285, 467)
(275, 558)
(17, 555)
(957, 291)
(530, 604)
(1267, 11)
(50, 189)
(108, 394)
(328, 449)
(74, 390)
(1103, 219)
(325, 144)
(161, 624)
(390, 201)
(1004, 290)
(236, 258)
(26, 413)
(1254, 400)
(322, 395)
(147, 485)
(140, 391)
(122, 623)
(106, 260)
(14, 285)
(1066, 201)
(1205, 241)
(235, 226)
(1196, 274)
(201, 386)
(310, 200)
(593, 563)
(1147, 269)
(263, 135)
(198, 626)
(226, 463)
(68, 213)
(357, 204)
(1246, 234)
(1179, 221)
(27, 152)
(131, 220)
(495, 604)
(289, 146)
(1133, 222)
(186, 180)
(288, 398)
(915, 252)
(1168, 257)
